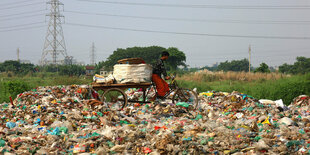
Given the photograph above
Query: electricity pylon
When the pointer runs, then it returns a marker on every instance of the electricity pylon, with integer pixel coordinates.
(93, 55)
(54, 40)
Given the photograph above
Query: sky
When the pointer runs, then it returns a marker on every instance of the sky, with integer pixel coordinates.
(206, 31)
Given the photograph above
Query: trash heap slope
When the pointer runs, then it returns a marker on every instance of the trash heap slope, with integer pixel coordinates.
(54, 120)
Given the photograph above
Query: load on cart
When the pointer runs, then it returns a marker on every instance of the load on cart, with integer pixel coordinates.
(131, 81)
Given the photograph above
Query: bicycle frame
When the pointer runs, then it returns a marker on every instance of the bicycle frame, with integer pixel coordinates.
(179, 93)
(172, 87)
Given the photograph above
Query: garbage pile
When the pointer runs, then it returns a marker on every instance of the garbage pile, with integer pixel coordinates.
(66, 120)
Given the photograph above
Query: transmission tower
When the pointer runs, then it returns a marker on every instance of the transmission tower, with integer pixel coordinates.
(249, 58)
(54, 40)
(93, 54)
(17, 52)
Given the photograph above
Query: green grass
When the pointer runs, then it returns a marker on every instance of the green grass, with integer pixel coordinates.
(285, 88)
(38, 79)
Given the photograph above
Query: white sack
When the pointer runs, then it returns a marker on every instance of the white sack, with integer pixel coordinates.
(132, 73)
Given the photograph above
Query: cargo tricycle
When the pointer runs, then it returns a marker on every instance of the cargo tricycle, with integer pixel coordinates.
(115, 97)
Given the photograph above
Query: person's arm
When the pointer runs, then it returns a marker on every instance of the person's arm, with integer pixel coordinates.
(164, 71)
(157, 66)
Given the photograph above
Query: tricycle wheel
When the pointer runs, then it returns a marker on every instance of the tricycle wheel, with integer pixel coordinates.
(115, 98)
(185, 95)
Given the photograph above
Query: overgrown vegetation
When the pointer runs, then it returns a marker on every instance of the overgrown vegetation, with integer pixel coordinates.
(208, 76)
(13, 85)
(286, 88)
(13, 88)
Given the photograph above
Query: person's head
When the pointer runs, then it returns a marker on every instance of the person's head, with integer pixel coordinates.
(164, 55)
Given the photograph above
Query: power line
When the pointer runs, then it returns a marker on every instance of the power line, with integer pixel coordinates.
(14, 3)
(18, 6)
(28, 16)
(277, 52)
(22, 13)
(200, 5)
(194, 34)
(21, 25)
(195, 20)
(25, 28)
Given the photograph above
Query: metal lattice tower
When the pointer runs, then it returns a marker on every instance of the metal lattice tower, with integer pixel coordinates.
(54, 40)
(93, 54)
(17, 52)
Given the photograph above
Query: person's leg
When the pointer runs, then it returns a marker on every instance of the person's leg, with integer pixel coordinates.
(166, 86)
(160, 86)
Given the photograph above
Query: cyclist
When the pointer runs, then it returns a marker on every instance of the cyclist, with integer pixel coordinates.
(159, 69)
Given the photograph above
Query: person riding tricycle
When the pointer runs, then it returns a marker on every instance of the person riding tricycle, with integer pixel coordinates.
(159, 69)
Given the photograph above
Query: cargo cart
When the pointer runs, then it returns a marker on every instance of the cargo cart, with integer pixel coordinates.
(114, 93)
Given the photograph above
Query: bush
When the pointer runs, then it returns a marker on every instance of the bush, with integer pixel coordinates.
(13, 88)
(286, 88)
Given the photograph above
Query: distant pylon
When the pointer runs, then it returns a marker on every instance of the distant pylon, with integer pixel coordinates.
(18, 54)
(249, 58)
(54, 40)
(93, 54)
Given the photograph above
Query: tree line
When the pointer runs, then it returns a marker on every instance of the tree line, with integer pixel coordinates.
(301, 66)
(15, 67)
(175, 63)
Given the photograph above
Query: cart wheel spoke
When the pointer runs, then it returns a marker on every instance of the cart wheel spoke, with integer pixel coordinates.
(185, 95)
(114, 98)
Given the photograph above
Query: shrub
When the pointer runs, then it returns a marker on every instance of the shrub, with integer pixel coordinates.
(284, 88)
(13, 88)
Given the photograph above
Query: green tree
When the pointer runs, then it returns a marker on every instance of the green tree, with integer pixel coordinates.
(1, 67)
(263, 68)
(16, 67)
(212, 68)
(285, 68)
(11, 66)
(234, 65)
(26, 68)
(176, 58)
(64, 69)
(301, 66)
(148, 54)
(98, 66)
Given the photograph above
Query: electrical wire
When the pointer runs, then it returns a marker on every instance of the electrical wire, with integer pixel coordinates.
(199, 6)
(22, 13)
(14, 3)
(18, 6)
(194, 34)
(194, 20)
(25, 28)
(21, 25)
(28, 16)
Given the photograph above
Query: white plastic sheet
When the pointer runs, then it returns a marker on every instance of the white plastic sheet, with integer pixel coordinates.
(135, 73)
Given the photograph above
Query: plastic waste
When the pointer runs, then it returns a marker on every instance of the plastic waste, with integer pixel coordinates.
(68, 120)
(286, 121)
(10, 125)
(2, 143)
(183, 104)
